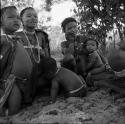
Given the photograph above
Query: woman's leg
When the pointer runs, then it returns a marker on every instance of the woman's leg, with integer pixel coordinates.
(2, 109)
(14, 100)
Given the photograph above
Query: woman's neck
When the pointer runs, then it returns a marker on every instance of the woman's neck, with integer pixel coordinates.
(29, 30)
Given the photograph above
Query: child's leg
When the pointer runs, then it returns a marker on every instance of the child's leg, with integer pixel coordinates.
(14, 100)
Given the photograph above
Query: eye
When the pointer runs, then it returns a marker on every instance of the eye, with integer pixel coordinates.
(28, 15)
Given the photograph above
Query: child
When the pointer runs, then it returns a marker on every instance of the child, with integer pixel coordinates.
(72, 84)
(94, 60)
(16, 65)
(95, 64)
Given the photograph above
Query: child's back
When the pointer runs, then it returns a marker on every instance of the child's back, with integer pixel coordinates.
(69, 81)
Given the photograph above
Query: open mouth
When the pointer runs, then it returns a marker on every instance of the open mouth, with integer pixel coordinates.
(16, 25)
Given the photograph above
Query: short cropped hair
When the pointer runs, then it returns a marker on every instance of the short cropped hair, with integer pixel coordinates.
(66, 21)
(88, 39)
(47, 64)
(23, 11)
(3, 10)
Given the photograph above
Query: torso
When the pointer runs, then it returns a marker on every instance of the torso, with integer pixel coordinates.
(98, 62)
(37, 41)
(22, 65)
(20, 60)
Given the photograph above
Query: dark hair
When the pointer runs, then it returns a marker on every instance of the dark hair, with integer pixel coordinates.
(88, 39)
(47, 64)
(3, 10)
(23, 11)
(66, 21)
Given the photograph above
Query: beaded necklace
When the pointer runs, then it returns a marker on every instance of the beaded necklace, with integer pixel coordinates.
(32, 46)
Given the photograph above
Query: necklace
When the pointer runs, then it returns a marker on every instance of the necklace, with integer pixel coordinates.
(33, 32)
(37, 60)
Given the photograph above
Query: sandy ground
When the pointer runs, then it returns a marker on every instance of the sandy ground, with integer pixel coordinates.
(98, 107)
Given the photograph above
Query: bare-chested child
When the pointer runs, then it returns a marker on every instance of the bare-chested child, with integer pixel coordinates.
(71, 84)
(95, 67)
(94, 60)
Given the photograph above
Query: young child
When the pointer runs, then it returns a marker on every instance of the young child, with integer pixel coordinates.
(95, 64)
(72, 84)
(96, 68)
(16, 65)
(94, 60)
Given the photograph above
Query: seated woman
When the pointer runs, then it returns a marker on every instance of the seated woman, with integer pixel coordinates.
(71, 84)
(16, 65)
(36, 42)
(70, 48)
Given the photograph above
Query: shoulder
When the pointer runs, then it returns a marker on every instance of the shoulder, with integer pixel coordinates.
(41, 32)
(42, 35)
(3, 40)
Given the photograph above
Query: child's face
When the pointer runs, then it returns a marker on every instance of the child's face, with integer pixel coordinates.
(30, 18)
(10, 20)
(91, 46)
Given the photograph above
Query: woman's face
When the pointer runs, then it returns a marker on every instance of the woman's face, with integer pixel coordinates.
(71, 30)
(30, 18)
(71, 27)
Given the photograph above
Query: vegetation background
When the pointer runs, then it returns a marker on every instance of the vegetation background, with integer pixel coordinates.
(101, 19)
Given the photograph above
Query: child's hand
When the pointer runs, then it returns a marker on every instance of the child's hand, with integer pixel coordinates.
(89, 74)
(107, 66)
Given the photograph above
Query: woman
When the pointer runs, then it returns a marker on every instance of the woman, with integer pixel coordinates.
(35, 41)
(16, 65)
(72, 46)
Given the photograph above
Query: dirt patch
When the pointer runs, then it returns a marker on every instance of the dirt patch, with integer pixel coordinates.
(97, 108)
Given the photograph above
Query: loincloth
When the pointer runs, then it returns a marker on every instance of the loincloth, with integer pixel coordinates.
(80, 92)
